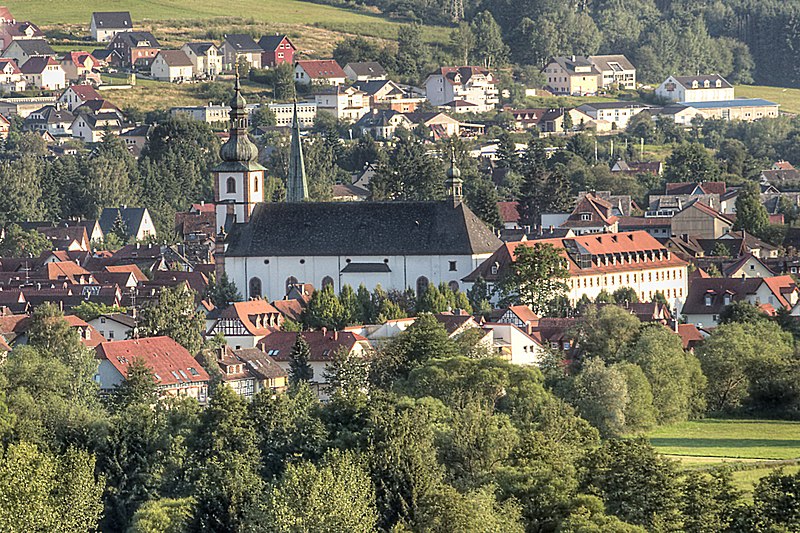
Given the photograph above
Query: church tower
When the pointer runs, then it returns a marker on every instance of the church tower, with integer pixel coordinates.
(297, 184)
(239, 179)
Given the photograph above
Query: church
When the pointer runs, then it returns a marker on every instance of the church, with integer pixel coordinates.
(266, 247)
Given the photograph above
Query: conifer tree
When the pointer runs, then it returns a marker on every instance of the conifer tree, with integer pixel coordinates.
(299, 366)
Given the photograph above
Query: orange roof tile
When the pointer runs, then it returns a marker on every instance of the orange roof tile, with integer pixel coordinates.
(170, 362)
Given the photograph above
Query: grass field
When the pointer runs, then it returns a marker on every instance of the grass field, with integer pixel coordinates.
(277, 13)
(789, 99)
(738, 439)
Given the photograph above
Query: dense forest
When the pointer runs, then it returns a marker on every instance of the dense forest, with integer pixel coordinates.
(745, 40)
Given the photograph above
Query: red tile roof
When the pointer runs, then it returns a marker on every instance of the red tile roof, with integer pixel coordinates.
(326, 68)
(323, 344)
(7, 60)
(65, 269)
(170, 362)
(509, 211)
(708, 187)
(779, 286)
(245, 312)
(86, 92)
(128, 269)
(524, 313)
(689, 335)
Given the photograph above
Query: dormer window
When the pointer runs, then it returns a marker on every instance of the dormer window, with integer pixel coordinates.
(586, 217)
(718, 83)
(727, 299)
(695, 84)
(706, 84)
(708, 300)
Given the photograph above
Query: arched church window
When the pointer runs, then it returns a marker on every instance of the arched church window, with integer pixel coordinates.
(290, 281)
(255, 288)
(231, 185)
(255, 184)
(422, 285)
(327, 280)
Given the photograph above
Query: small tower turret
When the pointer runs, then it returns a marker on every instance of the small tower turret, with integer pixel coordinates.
(454, 183)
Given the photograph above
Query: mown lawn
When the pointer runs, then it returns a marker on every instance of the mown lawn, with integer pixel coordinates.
(737, 439)
(789, 99)
(47, 12)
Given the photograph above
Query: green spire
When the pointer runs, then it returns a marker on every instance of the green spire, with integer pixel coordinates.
(297, 186)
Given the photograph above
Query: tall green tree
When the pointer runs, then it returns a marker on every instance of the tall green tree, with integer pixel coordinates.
(324, 310)
(690, 162)
(299, 366)
(175, 315)
(751, 215)
(18, 242)
(536, 278)
(489, 45)
(410, 173)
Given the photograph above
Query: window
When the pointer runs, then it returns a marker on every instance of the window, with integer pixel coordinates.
(586, 216)
(255, 288)
(231, 186)
(255, 184)
(453, 267)
(422, 285)
(326, 281)
(495, 268)
(110, 335)
(708, 300)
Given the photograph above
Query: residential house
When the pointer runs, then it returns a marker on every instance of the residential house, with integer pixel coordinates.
(474, 85)
(521, 316)
(18, 31)
(248, 371)
(440, 125)
(206, 58)
(52, 119)
(638, 167)
(553, 121)
(509, 214)
(607, 262)
(77, 95)
(618, 114)
(5, 16)
(244, 324)
(319, 72)
(323, 345)
(346, 192)
(105, 25)
(238, 46)
(592, 214)
(381, 124)
(92, 128)
(659, 227)
(80, 67)
(22, 51)
(277, 49)
(210, 114)
(5, 127)
(172, 66)
(708, 297)
(747, 266)
(284, 114)
(175, 371)
(135, 220)
(515, 344)
(678, 195)
(365, 71)
(389, 94)
(680, 114)
(96, 107)
(44, 73)
(345, 103)
(572, 76)
(691, 89)
(527, 118)
(11, 77)
(615, 71)
(14, 329)
(114, 326)
(135, 49)
(135, 138)
(700, 221)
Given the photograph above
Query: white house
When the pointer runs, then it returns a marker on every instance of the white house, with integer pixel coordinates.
(44, 73)
(22, 51)
(474, 85)
(306, 114)
(105, 25)
(615, 113)
(688, 89)
(172, 66)
(92, 128)
(319, 72)
(114, 326)
(513, 344)
(77, 95)
(244, 324)
(11, 77)
(365, 71)
(345, 103)
(206, 57)
(615, 70)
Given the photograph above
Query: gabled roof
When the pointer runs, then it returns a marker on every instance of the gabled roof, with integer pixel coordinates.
(175, 58)
(372, 228)
(604, 62)
(703, 208)
(270, 43)
(452, 322)
(367, 68)
(170, 362)
(372, 87)
(716, 288)
(687, 81)
(200, 49)
(570, 63)
(780, 286)
(524, 313)
(323, 344)
(34, 47)
(322, 69)
(256, 363)
(135, 38)
(705, 187)
(462, 75)
(84, 92)
(132, 216)
(290, 309)
(65, 270)
(689, 335)
(509, 211)
(127, 269)
(112, 20)
(37, 64)
(600, 212)
(729, 270)
(247, 312)
(50, 114)
(242, 42)
(20, 29)
(9, 61)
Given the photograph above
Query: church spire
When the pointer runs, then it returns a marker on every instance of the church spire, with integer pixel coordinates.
(239, 147)
(297, 186)
(454, 183)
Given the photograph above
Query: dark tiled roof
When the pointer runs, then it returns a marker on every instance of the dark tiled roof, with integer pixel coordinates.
(115, 20)
(737, 288)
(686, 81)
(133, 38)
(361, 228)
(200, 49)
(270, 43)
(242, 42)
(367, 68)
(132, 216)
